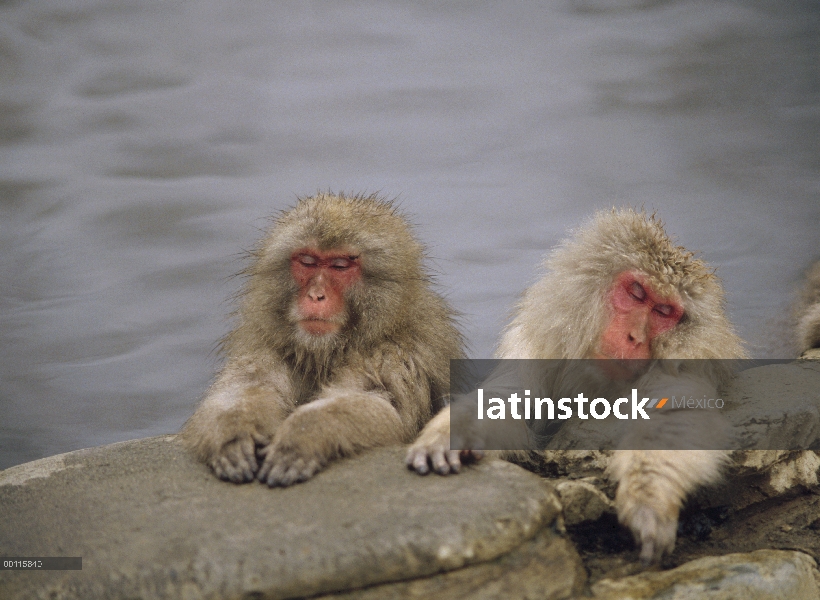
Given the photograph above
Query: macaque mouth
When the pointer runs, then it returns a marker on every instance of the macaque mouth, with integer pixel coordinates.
(319, 326)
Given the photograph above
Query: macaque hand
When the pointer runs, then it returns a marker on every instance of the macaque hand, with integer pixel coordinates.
(648, 504)
(443, 460)
(432, 448)
(236, 460)
(654, 530)
(288, 459)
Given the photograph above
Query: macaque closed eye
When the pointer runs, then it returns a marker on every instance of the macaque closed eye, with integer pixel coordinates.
(664, 310)
(342, 263)
(637, 292)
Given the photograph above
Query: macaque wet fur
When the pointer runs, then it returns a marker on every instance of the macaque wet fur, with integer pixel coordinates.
(621, 289)
(340, 345)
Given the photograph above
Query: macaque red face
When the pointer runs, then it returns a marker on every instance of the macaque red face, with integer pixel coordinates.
(323, 277)
(639, 314)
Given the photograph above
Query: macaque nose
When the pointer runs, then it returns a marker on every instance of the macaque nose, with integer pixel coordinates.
(638, 331)
(316, 293)
(317, 288)
(637, 336)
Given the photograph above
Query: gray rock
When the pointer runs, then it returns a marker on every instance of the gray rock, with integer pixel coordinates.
(546, 567)
(582, 501)
(759, 575)
(149, 522)
(776, 406)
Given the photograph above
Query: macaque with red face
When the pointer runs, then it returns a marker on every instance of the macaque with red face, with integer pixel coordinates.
(638, 316)
(340, 345)
(322, 279)
(620, 289)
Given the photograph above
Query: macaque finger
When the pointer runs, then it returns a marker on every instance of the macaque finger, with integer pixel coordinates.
(445, 461)
(260, 439)
(290, 475)
(417, 461)
(454, 457)
(275, 475)
(249, 455)
(473, 455)
(226, 470)
(264, 469)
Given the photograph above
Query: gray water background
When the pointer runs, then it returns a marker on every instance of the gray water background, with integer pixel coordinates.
(143, 143)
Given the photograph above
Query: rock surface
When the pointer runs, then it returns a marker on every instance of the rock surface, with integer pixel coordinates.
(582, 501)
(776, 406)
(149, 522)
(546, 567)
(761, 575)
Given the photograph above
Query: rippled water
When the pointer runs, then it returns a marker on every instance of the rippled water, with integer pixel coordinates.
(142, 143)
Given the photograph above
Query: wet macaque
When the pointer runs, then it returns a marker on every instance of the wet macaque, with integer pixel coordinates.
(341, 344)
(620, 289)
(808, 311)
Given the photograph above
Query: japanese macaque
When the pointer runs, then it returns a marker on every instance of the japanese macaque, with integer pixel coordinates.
(619, 289)
(341, 344)
(808, 311)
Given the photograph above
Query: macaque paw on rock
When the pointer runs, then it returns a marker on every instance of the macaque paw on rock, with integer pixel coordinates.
(442, 460)
(286, 464)
(432, 449)
(236, 460)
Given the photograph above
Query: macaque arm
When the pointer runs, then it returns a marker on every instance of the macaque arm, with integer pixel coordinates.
(653, 484)
(341, 422)
(238, 414)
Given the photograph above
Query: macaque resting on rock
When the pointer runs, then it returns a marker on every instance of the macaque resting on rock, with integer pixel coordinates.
(340, 345)
(620, 289)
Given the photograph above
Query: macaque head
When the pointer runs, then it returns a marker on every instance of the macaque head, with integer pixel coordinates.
(621, 288)
(637, 315)
(335, 273)
(323, 279)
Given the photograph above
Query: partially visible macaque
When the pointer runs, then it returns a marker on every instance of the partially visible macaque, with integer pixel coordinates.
(808, 311)
(340, 345)
(620, 289)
